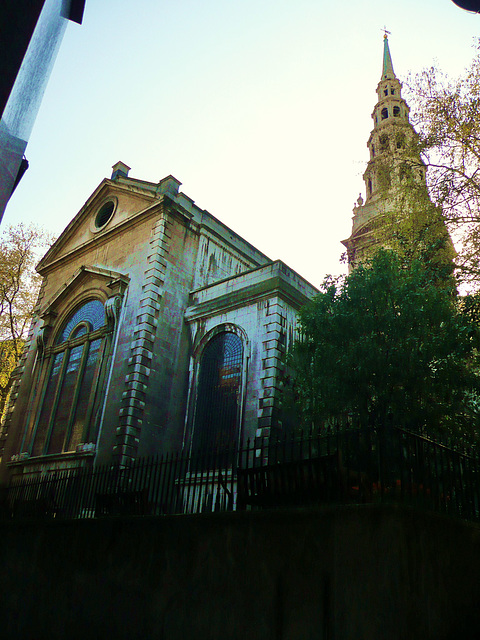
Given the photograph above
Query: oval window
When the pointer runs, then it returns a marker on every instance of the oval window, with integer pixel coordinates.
(104, 214)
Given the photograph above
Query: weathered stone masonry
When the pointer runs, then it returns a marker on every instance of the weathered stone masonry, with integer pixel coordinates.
(184, 276)
(141, 350)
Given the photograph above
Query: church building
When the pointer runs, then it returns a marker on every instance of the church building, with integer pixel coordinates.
(158, 328)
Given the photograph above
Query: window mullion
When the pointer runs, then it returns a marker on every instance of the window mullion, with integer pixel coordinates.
(78, 386)
(93, 393)
(41, 402)
(58, 390)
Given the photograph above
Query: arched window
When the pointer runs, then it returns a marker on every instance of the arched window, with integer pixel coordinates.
(384, 114)
(396, 112)
(218, 396)
(70, 406)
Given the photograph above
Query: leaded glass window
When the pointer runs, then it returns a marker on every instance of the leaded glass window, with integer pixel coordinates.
(218, 397)
(70, 407)
(90, 315)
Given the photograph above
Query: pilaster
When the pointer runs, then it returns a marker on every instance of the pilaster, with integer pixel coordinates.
(272, 370)
(132, 407)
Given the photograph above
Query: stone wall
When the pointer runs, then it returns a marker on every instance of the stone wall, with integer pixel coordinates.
(354, 572)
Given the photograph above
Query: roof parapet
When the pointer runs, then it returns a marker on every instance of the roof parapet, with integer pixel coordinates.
(168, 186)
(120, 170)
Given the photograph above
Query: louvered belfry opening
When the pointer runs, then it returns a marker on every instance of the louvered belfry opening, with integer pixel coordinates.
(218, 396)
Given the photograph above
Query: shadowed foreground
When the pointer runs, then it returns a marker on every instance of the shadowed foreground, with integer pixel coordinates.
(369, 571)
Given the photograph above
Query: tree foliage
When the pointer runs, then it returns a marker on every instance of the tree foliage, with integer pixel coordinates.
(19, 283)
(415, 230)
(445, 112)
(387, 343)
(393, 341)
(406, 219)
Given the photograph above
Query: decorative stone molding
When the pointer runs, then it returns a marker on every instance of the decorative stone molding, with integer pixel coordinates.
(85, 447)
(132, 406)
(225, 327)
(113, 306)
(19, 457)
(119, 285)
(99, 282)
(42, 338)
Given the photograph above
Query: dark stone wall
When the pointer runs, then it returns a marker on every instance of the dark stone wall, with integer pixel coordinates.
(369, 572)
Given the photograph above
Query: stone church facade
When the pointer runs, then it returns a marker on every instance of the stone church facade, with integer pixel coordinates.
(157, 328)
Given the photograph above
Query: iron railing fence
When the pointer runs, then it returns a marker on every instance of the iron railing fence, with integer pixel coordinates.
(342, 465)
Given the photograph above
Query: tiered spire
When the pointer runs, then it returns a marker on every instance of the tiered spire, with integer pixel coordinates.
(391, 126)
(391, 149)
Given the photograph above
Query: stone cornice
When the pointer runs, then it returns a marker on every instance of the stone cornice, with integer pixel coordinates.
(275, 285)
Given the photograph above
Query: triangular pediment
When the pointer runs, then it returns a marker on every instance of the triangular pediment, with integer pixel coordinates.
(114, 281)
(111, 206)
(86, 282)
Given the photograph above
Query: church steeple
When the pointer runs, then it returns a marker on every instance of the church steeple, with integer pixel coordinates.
(391, 125)
(392, 153)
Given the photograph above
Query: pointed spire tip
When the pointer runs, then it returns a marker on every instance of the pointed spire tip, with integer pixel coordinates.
(387, 67)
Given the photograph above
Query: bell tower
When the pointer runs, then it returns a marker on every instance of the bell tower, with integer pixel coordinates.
(394, 162)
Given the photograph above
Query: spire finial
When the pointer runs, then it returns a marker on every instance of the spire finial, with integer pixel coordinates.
(387, 69)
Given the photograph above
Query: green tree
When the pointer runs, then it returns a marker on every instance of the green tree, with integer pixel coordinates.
(415, 230)
(384, 344)
(19, 283)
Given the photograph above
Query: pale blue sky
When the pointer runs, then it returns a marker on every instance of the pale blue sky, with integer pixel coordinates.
(261, 108)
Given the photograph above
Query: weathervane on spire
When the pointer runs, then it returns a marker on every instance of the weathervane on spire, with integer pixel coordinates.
(385, 33)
